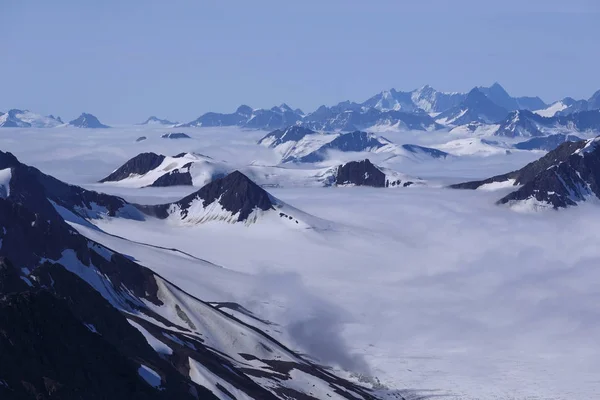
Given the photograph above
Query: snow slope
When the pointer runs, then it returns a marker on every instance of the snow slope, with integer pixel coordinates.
(437, 291)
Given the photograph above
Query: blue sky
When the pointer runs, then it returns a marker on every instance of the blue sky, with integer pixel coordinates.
(126, 60)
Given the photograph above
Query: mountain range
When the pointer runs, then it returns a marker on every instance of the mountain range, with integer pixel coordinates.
(78, 317)
(422, 109)
(566, 176)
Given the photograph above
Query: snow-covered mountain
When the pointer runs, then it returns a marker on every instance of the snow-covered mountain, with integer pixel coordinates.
(476, 107)
(391, 100)
(499, 96)
(25, 119)
(299, 144)
(86, 120)
(245, 116)
(529, 124)
(564, 177)
(368, 118)
(234, 198)
(151, 169)
(77, 317)
(152, 120)
(365, 173)
(433, 101)
(556, 107)
(593, 103)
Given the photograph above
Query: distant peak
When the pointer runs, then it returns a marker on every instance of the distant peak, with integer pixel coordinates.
(244, 110)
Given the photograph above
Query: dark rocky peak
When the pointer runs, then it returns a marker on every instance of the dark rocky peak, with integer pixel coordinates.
(235, 193)
(33, 189)
(350, 142)
(583, 121)
(155, 120)
(285, 107)
(86, 120)
(244, 110)
(175, 135)
(594, 101)
(522, 123)
(14, 112)
(292, 133)
(563, 177)
(139, 165)
(360, 173)
(57, 118)
(355, 141)
(476, 97)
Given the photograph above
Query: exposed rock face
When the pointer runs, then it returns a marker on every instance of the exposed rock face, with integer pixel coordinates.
(32, 188)
(176, 135)
(86, 120)
(547, 143)
(353, 141)
(280, 136)
(435, 153)
(360, 173)
(563, 177)
(157, 121)
(528, 124)
(139, 165)
(178, 177)
(476, 107)
(235, 193)
(70, 309)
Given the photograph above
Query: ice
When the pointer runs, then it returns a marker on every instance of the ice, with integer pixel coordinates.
(5, 176)
(203, 377)
(150, 376)
(157, 345)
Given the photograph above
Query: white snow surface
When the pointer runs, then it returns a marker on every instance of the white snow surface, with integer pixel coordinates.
(552, 109)
(203, 169)
(202, 376)
(5, 176)
(150, 376)
(156, 344)
(434, 291)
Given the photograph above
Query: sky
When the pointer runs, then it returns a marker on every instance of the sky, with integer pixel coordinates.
(126, 60)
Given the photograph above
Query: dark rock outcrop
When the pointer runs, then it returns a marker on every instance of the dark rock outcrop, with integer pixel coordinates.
(178, 177)
(158, 121)
(86, 120)
(528, 124)
(176, 135)
(235, 193)
(291, 134)
(138, 165)
(352, 142)
(476, 107)
(360, 173)
(31, 188)
(435, 153)
(563, 177)
(547, 143)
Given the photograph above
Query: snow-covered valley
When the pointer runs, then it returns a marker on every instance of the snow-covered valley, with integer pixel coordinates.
(435, 292)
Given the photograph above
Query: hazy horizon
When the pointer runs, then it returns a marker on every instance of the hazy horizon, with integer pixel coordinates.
(178, 60)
